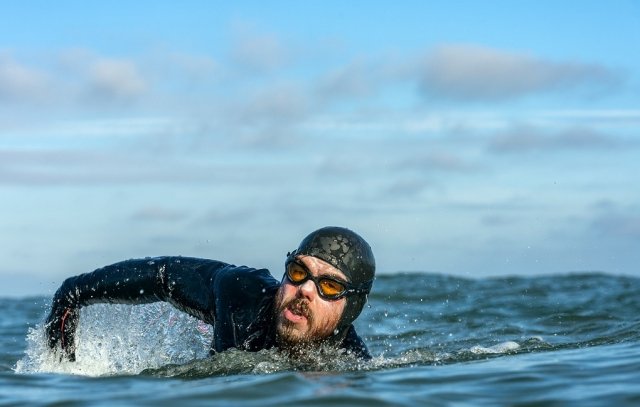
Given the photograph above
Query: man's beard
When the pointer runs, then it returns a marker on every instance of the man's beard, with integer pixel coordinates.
(288, 336)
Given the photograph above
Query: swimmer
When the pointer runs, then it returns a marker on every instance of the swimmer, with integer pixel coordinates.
(323, 290)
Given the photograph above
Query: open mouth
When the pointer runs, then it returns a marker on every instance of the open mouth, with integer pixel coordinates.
(297, 310)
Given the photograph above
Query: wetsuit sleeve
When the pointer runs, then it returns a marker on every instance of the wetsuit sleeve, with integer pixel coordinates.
(183, 282)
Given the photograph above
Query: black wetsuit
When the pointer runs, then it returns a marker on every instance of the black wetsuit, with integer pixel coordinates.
(237, 301)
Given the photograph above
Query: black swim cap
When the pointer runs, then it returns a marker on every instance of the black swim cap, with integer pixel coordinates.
(348, 252)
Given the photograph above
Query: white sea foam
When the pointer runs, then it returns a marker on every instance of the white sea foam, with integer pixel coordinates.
(504, 347)
(122, 339)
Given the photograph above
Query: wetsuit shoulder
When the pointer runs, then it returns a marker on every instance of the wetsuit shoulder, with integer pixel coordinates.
(355, 345)
(243, 302)
(241, 285)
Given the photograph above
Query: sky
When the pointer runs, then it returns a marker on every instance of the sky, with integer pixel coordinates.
(466, 138)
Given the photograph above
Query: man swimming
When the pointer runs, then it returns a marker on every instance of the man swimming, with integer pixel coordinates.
(323, 290)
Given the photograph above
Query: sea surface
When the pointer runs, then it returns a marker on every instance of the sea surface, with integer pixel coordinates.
(570, 339)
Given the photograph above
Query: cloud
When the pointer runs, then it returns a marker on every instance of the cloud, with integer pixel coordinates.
(366, 77)
(617, 224)
(71, 167)
(356, 79)
(114, 80)
(497, 220)
(158, 214)
(135, 166)
(463, 73)
(21, 83)
(258, 52)
(524, 138)
(219, 216)
(618, 116)
(101, 79)
(267, 116)
(284, 103)
(406, 187)
(435, 161)
(477, 73)
(74, 78)
(192, 67)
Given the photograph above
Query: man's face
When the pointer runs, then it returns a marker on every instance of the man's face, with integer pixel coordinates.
(302, 316)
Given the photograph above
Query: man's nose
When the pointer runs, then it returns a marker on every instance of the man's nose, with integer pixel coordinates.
(307, 289)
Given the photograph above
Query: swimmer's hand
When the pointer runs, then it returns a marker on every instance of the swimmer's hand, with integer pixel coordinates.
(60, 328)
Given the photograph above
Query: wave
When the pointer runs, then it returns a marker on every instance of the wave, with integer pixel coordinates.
(434, 320)
(155, 340)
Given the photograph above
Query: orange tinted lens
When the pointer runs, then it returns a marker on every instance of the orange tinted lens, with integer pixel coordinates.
(296, 273)
(330, 287)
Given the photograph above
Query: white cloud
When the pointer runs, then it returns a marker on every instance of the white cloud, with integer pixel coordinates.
(477, 73)
(430, 161)
(613, 221)
(73, 79)
(193, 67)
(407, 187)
(258, 52)
(525, 138)
(276, 103)
(356, 79)
(159, 214)
(115, 80)
(265, 117)
(625, 115)
(88, 167)
(225, 216)
(21, 83)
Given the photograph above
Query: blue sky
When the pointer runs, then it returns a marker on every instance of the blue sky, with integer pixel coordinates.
(467, 138)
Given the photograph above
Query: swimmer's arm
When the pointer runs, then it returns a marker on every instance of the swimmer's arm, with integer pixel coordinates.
(183, 282)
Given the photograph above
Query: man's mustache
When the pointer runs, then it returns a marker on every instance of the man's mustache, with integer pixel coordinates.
(299, 306)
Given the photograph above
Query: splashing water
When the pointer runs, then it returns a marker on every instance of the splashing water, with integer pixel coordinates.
(122, 339)
(433, 321)
(158, 340)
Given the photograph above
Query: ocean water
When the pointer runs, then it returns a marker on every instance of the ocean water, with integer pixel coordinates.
(569, 339)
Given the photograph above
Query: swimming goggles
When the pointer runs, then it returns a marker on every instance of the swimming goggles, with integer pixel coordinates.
(328, 288)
